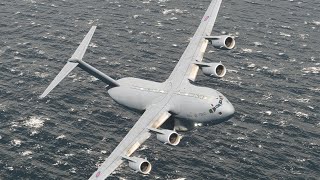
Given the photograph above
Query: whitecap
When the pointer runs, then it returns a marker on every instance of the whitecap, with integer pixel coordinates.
(232, 71)
(286, 27)
(73, 170)
(143, 33)
(173, 18)
(313, 70)
(285, 34)
(301, 114)
(303, 100)
(89, 151)
(9, 168)
(14, 124)
(17, 58)
(247, 50)
(93, 79)
(35, 122)
(62, 136)
(41, 75)
(41, 52)
(143, 147)
(93, 45)
(34, 133)
(257, 43)
(57, 163)
(267, 96)
(316, 23)
(61, 37)
(72, 76)
(241, 138)
(314, 89)
(301, 160)
(68, 155)
(146, 2)
(26, 153)
(311, 107)
(16, 142)
(268, 113)
(172, 11)
(31, 1)
(282, 123)
(159, 24)
(303, 36)
(92, 21)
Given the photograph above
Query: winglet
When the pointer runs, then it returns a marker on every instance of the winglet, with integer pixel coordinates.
(72, 62)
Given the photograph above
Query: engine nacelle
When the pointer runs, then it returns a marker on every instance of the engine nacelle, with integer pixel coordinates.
(222, 42)
(213, 69)
(140, 165)
(168, 136)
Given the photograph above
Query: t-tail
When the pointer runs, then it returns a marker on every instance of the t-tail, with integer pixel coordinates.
(76, 60)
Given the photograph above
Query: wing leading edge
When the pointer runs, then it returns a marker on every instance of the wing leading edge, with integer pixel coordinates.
(153, 117)
(186, 69)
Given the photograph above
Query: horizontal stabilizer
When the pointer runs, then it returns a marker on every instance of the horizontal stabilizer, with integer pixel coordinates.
(63, 73)
(72, 63)
(78, 54)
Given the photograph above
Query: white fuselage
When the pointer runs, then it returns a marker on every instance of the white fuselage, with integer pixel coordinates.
(193, 103)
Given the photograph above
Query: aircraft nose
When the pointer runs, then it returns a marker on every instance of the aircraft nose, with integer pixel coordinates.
(228, 111)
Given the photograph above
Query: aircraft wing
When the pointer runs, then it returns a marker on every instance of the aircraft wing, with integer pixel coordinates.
(186, 69)
(153, 117)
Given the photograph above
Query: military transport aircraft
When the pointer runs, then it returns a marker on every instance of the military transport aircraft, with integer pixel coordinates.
(177, 97)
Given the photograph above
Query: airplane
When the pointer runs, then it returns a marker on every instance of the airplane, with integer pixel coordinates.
(168, 107)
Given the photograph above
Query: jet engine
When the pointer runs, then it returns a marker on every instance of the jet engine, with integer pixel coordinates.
(213, 69)
(222, 42)
(167, 136)
(140, 165)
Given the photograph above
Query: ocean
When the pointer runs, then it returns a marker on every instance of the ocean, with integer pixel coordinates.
(273, 81)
